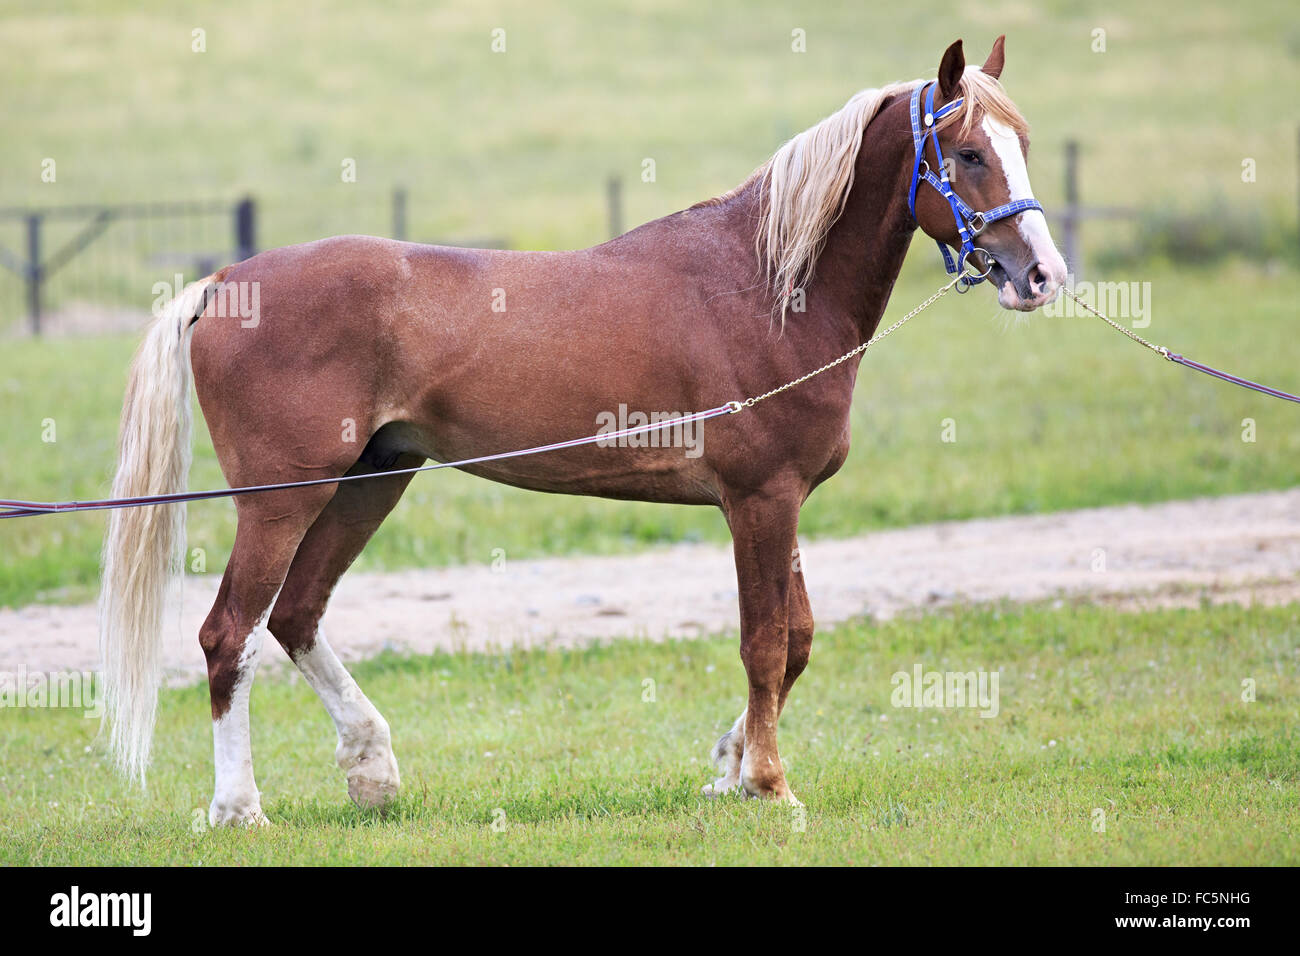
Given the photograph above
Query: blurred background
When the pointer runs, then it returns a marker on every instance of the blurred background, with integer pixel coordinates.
(145, 140)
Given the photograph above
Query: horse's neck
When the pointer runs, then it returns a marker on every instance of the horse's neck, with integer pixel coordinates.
(865, 247)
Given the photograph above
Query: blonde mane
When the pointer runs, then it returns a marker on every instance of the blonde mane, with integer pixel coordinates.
(806, 183)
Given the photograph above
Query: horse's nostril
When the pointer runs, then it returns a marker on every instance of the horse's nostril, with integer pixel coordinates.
(1037, 278)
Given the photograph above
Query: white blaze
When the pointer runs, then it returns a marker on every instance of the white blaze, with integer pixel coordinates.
(1032, 224)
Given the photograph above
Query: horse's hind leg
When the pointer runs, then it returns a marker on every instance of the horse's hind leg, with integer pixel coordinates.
(364, 749)
(270, 528)
(727, 754)
(799, 627)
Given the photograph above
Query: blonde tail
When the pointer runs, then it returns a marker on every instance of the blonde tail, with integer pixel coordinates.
(145, 547)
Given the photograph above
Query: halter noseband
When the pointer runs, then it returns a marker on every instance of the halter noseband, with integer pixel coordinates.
(969, 223)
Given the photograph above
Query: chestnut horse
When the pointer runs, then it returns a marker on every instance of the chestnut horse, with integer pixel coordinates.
(368, 355)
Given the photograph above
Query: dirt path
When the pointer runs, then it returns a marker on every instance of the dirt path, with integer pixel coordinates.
(1238, 548)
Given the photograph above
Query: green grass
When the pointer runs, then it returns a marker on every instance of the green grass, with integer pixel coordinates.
(1050, 414)
(1137, 715)
(518, 144)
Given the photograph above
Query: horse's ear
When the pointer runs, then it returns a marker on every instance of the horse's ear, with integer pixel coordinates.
(951, 67)
(997, 56)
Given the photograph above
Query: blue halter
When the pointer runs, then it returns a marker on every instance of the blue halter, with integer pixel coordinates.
(969, 223)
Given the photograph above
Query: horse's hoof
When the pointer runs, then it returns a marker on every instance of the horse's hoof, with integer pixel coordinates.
(721, 787)
(777, 791)
(251, 816)
(373, 785)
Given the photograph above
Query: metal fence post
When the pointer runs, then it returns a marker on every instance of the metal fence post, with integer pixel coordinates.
(34, 273)
(614, 196)
(1073, 252)
(399, 213)
(245, 230)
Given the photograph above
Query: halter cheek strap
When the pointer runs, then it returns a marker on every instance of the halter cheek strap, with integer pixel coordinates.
(969, 222)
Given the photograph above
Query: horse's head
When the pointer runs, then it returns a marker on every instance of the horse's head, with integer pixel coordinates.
(984, 143)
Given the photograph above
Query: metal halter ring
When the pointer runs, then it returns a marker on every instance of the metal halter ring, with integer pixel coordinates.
(974, 229)
(969, 279)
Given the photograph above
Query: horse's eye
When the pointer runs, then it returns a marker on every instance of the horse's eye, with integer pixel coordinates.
(970, 156)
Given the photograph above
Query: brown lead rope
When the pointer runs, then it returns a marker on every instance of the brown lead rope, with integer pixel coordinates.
(26, 509)
(1183, 360)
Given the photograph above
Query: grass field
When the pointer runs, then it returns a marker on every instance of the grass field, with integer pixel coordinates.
(519, 143)
(1136, 717)
(1139, 716)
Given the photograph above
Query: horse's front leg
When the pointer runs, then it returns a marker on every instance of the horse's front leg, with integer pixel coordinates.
(763, 528)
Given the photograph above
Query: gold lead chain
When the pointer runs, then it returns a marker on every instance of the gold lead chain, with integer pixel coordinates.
(1158, 349)
(751, 402)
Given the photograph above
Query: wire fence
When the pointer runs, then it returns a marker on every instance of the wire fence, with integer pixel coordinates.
(95, 268)
(79, 268)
